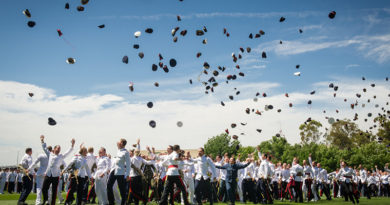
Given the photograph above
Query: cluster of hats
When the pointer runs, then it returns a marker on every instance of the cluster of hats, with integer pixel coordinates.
(210, 85)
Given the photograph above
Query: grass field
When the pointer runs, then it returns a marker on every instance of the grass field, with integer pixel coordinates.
(11, 199)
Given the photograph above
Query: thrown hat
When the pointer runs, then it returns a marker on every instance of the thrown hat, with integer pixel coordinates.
(332, 14)
(150, 104)
(51, 121)
(27, 13)
(31, 24)
(152, 123)
(125, 59)
(70, 60)
(137, 34)
(101, 26)
(172, 62)
(149, 30)
(80, 8)
(179, 124)
(282, 19)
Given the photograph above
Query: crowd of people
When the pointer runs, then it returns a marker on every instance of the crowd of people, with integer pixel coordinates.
(176, 176)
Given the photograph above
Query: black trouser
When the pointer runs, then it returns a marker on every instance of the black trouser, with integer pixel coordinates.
(348, 192)
(262, 187)
(282, 192)
(222, 191)
(168, 188)
(26, 188)
(214, 188)
(19, 187)
(325, 189)
(91, 194)
(53, 181)
(275, 190)
(203, 189)
(147, 183)
(248, 190)
(80, 188)
(122, 188)
(135, 186)
(298, 192)
(11, 187)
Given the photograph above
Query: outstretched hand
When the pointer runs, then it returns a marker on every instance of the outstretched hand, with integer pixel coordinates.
(42, 138)
(73, 141)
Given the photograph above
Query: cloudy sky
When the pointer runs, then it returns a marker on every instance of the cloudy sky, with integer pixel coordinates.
(91, 101)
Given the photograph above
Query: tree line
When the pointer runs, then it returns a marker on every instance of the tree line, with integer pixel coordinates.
(342, 140)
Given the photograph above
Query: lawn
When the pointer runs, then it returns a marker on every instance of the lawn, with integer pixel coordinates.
(11, 199)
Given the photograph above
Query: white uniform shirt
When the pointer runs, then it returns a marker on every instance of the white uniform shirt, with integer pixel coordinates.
(121, 164)
(222, 172)
(80, 163)
(91, 159)
(385, 179)
(277, 174)
(308, 172)
(188, 169)
(345, 174)
(103, 166)
(371, 180)
(249, 172)
(204, 163)
(363, 175)
(263, 169)
(171, 161)
(297, 170)
(285, 175)
(43, 161)
(137, 161)
(26, 161)
(55, 161)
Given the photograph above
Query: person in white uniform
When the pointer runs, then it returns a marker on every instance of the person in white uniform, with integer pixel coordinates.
(39, 176)
(102, 171)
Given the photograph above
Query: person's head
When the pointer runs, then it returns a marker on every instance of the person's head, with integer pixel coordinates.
(232, 160)
(313, 164)
(109, 156)
(83, 151)
(188, 155)
(49, 148)
(304, 162)
(343, 164)
(57, 149)
(90, 150)
(176, 148)
(360, 166)
(319, 165)
(17, 171)
(121, 143)
(218, 158)
(227, 159)
(264, 156)
(169, 149)
(200, 151)
(284, 165)
(29, 151)
(102, 152)
(295, 160)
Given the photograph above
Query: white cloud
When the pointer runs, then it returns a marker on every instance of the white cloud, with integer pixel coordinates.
(352, 66)
(100, 120)
(375, 47)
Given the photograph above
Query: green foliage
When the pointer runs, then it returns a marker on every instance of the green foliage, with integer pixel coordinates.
(384, 129)
(309, 132)
(345, 134)
(221, 144)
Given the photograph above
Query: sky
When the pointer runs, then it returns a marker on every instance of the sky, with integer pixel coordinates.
(91, 101)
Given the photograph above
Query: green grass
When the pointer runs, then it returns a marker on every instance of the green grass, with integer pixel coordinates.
(11, 199)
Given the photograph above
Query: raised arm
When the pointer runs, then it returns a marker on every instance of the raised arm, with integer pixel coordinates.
(47, 152)
(242, 166)
(221, 167)
(70, 149)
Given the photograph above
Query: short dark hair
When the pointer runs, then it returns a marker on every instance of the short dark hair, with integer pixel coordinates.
(49, 148)
(123, 141)
(176, 147)
(28, 150)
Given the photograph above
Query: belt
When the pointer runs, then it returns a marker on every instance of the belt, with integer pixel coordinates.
(307, 173)
(349, 177)
(173, 166)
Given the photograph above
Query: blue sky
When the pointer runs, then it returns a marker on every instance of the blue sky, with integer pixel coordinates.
(354, 44)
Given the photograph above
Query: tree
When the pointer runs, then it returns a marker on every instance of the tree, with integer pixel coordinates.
(345, 134)
(309, 132)
(221, 144)
(384, 129)
(276, 147)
